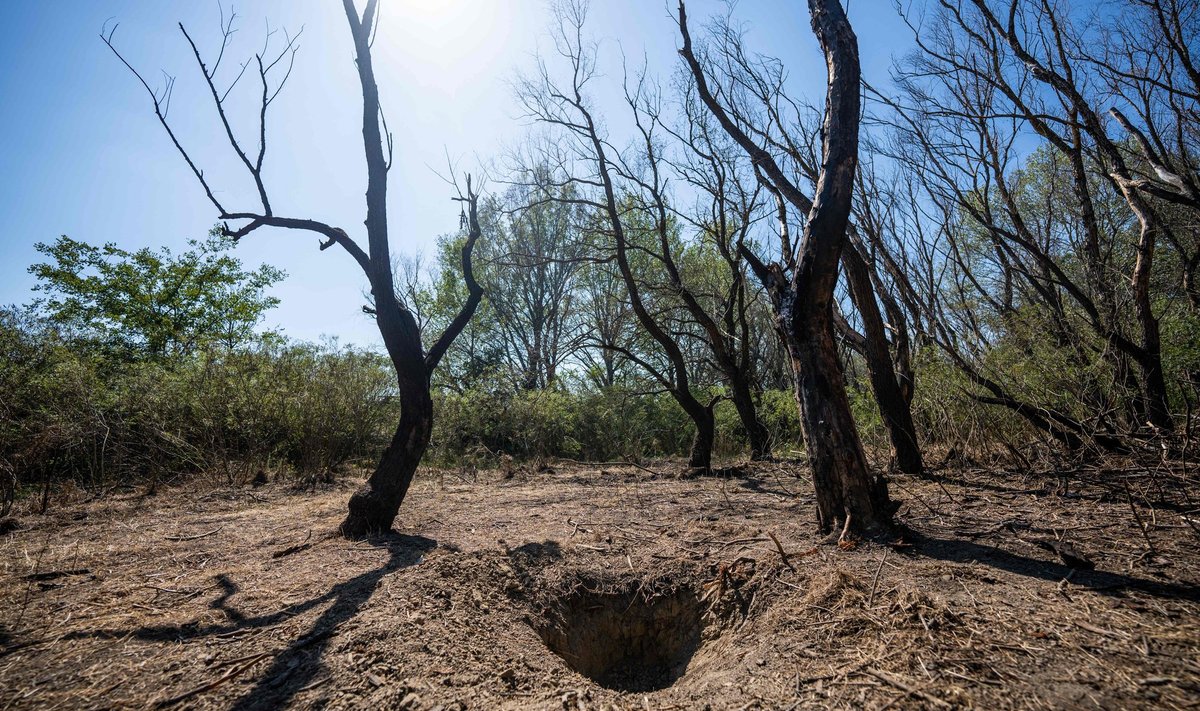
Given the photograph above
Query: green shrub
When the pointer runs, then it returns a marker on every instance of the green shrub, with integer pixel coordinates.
(67, 413)
(591, 425)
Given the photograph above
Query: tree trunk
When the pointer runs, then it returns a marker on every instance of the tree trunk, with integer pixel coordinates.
(1157, 410)
(848, 494)
(756, 431)
(702, 443)
(846, 490)
(675, 381)
(373, 508)
(1150, 359)
(1191, 287)
(893, 406)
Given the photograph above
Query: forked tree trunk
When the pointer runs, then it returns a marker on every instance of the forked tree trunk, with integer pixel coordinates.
(373, 508)
(848, 493)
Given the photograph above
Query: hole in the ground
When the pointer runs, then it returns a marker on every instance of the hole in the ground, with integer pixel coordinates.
(625, 640)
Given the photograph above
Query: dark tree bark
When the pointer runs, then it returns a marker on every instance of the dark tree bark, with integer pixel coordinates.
(744, 76)
(995, 78)
(848, 494)
(893, 405)
(741, 393)
(710, 165)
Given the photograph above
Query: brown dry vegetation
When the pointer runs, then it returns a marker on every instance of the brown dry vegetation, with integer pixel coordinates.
(670, 592)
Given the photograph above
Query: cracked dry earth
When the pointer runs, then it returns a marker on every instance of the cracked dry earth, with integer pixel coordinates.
(582, 587)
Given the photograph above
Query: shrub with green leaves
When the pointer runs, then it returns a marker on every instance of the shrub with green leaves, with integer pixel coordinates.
(588, 424)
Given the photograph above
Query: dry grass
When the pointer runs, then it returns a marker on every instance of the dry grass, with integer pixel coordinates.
(239, 599)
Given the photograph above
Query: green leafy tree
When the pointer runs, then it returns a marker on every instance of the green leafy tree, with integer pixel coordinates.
(153, 304)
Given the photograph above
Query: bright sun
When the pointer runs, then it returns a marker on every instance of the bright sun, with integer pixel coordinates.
(445, 34)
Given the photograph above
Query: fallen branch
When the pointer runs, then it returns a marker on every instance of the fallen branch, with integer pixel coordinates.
(192, 538)
(236, 671)
(1138, 517)
(907, 687)
(1101, 630)
(782, 554)
(723, 546)
(875, 580)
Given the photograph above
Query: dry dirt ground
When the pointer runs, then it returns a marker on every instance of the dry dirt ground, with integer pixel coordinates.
(591, 587)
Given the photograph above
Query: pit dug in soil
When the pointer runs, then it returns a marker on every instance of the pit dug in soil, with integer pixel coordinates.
(625, 639)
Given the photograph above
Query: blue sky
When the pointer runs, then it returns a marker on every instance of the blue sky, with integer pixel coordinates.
(82, 154)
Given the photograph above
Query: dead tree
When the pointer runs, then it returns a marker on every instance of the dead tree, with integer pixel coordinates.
(848, 493)
(374, 506)
(565, 108)
(1024, 54)
(725, 331)
(724, 216)
(755, 99)
(988, 71)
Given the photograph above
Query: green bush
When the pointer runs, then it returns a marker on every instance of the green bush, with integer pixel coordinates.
(67, 413)
(590, 425)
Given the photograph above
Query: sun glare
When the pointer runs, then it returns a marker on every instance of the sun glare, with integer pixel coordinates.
(444, 34)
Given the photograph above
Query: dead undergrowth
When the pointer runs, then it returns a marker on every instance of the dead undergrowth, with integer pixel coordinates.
(584, 587)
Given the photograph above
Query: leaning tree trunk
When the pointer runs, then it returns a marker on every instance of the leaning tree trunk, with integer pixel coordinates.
(847, 491)
(677, 385)
(893, 406)
(373, 508)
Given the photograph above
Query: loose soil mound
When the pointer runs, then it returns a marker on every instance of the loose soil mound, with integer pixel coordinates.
(582, 588)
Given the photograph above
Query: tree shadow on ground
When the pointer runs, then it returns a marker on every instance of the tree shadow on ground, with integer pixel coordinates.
(296, 665)
(732, 471)
(541, 553)
(1074, 485)
(1101, 581)
(228, 590)
(531, 557)
(759, 485)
